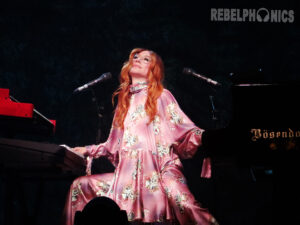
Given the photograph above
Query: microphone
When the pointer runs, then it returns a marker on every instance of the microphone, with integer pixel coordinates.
(208, 80)
(103, 77)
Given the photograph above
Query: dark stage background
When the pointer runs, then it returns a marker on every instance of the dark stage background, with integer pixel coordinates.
(48, 48)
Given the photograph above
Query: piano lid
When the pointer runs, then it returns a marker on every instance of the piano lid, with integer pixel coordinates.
(17, 117)
(266, 105)
(9, 107)
(265, 121)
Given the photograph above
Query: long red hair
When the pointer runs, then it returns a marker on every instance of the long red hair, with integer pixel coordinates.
(155, 87)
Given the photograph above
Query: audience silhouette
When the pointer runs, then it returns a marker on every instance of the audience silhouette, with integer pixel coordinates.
(101, 210)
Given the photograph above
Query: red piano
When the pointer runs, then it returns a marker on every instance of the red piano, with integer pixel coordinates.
(21, 120)
(11, 108)
(17, 117)
(24, 162)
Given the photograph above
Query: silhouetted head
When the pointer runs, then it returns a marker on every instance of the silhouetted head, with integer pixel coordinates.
(101, 210)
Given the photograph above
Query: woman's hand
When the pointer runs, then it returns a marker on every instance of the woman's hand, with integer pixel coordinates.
(80, 150)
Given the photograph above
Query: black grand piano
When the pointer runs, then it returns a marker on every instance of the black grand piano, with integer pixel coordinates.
(265, 125)
(263, 140)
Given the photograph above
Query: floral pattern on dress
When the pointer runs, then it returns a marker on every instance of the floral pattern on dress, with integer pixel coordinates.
(162, 150)
(156, 125)
(198, 131)
(130, 216)
(139, 112)
(181, 180)
(178, 162)
(152, 182)
(128, 193)
(131, 153)
(180, 199)
(146, 212)
(130, 139)
(103, 188)
(75, 192)
(168, 192)
(137, 169)
(175, 117)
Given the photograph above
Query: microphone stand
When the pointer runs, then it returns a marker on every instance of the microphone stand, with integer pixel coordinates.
(214, 111)
(215, 122)
(99, 110)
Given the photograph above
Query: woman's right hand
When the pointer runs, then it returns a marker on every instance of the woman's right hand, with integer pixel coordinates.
(80, 150)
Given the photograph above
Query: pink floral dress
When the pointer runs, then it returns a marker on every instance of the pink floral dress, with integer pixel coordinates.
(147, 182)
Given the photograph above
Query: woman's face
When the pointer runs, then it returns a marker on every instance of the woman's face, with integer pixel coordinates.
(140, 65)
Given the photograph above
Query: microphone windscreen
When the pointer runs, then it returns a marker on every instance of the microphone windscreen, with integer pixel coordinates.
(107, 75)
(187, 71)
(103, 77)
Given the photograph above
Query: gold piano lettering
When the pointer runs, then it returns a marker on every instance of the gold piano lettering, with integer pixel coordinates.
(278, 134)
(291, 133)
(272, 134)
(256, 134)
(265, 134)
(284, 134)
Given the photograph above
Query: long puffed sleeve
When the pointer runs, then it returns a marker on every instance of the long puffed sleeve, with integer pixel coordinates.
(185, 134)
(108, 149)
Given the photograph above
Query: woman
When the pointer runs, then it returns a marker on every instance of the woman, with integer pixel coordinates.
(148, 136)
